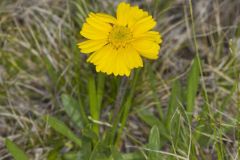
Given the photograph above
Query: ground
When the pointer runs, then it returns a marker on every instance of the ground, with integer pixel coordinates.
(40, 61)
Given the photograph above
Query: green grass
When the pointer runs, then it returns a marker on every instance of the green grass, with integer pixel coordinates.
(185, 105)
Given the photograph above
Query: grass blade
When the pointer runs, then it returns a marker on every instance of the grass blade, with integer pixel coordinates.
(93, 104)
(151, 120)
(154, 143)
(173, 103)
(100, 89)
(127, 105)
(192, 85)
(61, 128)
(153, 84)
(16, 152)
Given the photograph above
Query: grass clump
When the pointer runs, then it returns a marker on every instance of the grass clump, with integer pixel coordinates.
(183, 106)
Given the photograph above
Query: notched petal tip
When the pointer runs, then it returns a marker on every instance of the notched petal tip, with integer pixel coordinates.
(99, 69)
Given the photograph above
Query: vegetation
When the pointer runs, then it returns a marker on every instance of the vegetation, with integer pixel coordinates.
(185, 105)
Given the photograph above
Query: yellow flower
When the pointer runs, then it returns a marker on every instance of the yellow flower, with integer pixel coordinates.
(117, 44)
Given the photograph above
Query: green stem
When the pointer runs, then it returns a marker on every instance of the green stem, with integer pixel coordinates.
(126, 107)
(100, 89)
(95, 98)
(117, 111)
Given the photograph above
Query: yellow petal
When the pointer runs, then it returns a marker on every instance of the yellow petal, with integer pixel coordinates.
(122, 13)
(135, 14)
(106, 18)
(121, 66)
(110, 61)
(143, 25)
(114, 63)
(151, 36)
(95, 28)
(132, 57)
(100, 55)
(118, 57)
(89, 46)
(98, 23)
(106, 63)
(146, 48)
(93, 33)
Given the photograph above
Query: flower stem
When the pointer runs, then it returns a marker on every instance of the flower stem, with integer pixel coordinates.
(127, 106)
(95, 98)
(117, 111)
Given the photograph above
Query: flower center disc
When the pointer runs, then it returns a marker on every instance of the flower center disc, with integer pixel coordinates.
(120, 36)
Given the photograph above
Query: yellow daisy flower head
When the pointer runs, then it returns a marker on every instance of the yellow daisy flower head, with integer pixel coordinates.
(116, 44)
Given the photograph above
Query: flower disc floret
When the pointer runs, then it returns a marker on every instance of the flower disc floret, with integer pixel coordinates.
(120, 36)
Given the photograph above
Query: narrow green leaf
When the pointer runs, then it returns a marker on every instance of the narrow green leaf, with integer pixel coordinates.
(154, 143)
(50, 69)
(116, 155)
(71, 156)
(54, 155)
(150, 119)
(71, 108)
(93, 104)
(227, 99)
(85, 152)
(192, 85)
(125, 108)
(61, 128)
(153, 84)
(133, 156)
(89, 133)
(100, 152)
(100, 88)
(174, 100)
(16, 152)
(74, 110)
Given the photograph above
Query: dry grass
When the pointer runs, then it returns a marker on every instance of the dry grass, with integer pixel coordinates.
(39, 61)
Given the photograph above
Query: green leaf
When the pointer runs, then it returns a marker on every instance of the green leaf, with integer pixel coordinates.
(154, 143)
(71, 107)
(54, 155)
(61, 128)
(153, 83)
(150, 119)
(89, 133)
(192, 85)
(133, 156)
(116, 155)
(57, 145)
(16, 152)
(85, 152)
(71, 156)
(93, 104)
(125, 108)
(100, 152)
(174, 101)
(100, 88)
(50, 69)
(53, 74)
